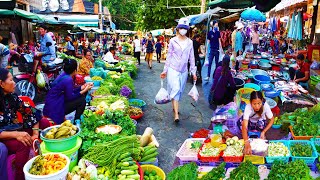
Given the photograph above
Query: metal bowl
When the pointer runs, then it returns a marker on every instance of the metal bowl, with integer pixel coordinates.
(219, 119)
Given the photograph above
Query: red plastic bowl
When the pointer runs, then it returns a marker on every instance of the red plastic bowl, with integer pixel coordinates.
(136, 117)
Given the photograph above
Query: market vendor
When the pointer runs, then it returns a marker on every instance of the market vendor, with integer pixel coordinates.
(86, 63)
(255, 118)
(17, 136)
(110, 56)
(63, 98)
(302, 74)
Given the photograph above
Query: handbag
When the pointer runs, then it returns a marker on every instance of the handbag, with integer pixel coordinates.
(211, 94)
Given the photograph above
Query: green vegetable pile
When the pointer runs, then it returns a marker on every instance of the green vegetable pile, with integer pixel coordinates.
(246, 170)
(306, 122)
(92, 120)
(151, 175)
(216, 173)
(301, 150)
(185, 172)
(294, 170)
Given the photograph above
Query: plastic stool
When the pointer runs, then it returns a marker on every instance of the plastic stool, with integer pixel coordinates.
(254, 134)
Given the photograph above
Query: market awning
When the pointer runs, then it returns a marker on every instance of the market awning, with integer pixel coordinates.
(19, 12)
(287, 3)
(84, 24)
(230, 18)
(261, 5)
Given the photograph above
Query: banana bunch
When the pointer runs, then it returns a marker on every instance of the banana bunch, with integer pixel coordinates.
(65, 130)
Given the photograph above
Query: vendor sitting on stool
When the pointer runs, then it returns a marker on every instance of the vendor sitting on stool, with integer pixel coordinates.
(302, 74)
(255, 118)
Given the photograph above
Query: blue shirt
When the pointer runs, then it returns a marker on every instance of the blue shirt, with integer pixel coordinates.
(214, 39)
(239, 41)
(158, 47)
(50, 50)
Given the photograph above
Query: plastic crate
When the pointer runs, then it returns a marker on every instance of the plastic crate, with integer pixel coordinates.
(236, 159)
(187, 162)
(271, 159)
(201, 163)
(184, 154)
(316, 142)
(210, 158)
(307, 160)
(254, 159)
(300, 137)
(156, 162)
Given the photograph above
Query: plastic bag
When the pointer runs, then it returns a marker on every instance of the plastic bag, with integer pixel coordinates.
(315, 65)
(41, 83)
(194, 92)
(162, 96)
(97, 72)
(100, 64)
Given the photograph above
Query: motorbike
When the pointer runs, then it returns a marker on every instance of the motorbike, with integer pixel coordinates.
(26, 83)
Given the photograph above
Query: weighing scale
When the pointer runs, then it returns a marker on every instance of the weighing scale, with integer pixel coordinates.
(217, 124)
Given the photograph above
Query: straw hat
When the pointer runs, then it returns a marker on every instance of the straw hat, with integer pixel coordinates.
(12, 46)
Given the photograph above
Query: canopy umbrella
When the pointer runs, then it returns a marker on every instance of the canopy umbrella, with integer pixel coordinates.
(292, 24)
(19, 12)
(252, 14)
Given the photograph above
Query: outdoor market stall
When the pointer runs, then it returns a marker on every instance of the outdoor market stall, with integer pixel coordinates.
(103, 144)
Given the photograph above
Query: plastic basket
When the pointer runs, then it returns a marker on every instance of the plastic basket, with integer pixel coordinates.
(307, 160)
(155, 163)
(210, 158)
(201, 163)
(300, 137)
(233, 159)
(159, 171)
(271, 159)
(254, 159)
(187, 162)
(316, 142)
(240, 93)
(184, 154)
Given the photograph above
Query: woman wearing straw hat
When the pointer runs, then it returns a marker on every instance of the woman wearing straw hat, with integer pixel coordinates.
(180, 52)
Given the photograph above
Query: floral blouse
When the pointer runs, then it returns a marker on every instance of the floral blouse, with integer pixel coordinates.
(85, 66)
(9, 118)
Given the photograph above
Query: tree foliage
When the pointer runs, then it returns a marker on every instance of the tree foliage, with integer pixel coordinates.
(154, 14)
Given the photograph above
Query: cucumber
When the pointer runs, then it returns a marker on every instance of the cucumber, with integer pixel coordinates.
(117, 171)
(153, 155)
(124, 155)
(133, 167)
(127, 172)
(150, 160)
(148, 147)
(150, 151)
(135, 176)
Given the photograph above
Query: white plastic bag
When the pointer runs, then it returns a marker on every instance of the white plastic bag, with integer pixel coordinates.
(194, 92)
(162, 96)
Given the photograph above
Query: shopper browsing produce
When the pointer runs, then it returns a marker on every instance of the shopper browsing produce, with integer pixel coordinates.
(255, 118)
(63, 98)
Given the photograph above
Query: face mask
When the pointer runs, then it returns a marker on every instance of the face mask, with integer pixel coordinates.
(216, 28)
(183, 32)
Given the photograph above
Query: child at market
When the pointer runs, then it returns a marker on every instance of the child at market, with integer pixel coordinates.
(255, 118)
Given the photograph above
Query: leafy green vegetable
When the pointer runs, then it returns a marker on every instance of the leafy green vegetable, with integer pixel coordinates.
(318, 148)
(301, 150)
(246, 170)
(185, 172)
(216, 173)
(295, 170)
(196, 145)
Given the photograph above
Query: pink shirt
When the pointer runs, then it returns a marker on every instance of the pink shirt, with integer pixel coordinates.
(179, 55)
(255, 38)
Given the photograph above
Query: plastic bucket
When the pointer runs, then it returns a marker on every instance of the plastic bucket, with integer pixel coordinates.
(239, 83)
(59, 145)
(60, 175)
(314, 80)
(253, 86)
(261, 79)
(71, 153)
